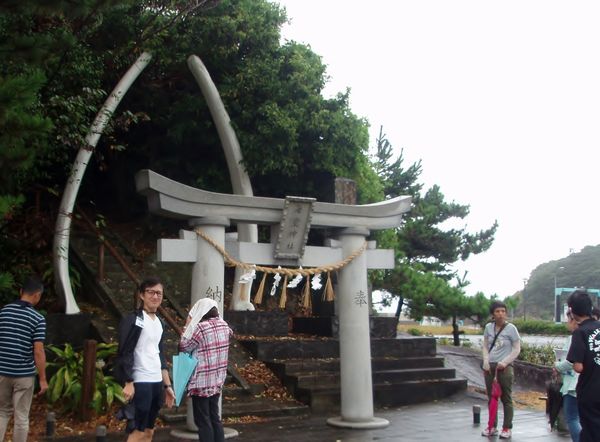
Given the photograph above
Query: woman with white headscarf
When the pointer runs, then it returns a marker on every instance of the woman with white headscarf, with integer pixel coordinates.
(206, 336)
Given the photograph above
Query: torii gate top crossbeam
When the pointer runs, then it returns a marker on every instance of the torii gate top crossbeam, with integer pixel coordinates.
(175, 200)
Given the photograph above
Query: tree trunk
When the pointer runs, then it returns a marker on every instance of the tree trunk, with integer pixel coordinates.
(455, 332)
(399, 308)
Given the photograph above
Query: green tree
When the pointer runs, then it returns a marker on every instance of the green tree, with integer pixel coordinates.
(434, 296)
(578, 269)
(294, 140)
(423, 237)
(425, 249)
(24, 129)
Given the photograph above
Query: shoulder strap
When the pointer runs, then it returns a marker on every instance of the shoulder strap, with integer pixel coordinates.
(496, 336)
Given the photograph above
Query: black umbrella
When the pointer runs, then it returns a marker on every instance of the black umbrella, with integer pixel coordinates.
(127, 412)
(554, 401)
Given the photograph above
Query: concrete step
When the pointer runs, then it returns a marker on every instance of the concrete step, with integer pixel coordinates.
(273, 350)
(407, 367)
(385, 377)
(270, 350)
(326, 399)
(297, 366)
(413, 374)
(415, 392)
(235, 392)
(251, 406)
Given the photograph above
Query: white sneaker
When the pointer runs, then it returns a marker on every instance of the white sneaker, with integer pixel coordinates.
(505, 433)
(489, 432)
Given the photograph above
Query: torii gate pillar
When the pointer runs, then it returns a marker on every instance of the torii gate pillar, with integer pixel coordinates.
(208, 281)
(355, 342)
(172, 199)
(208, 273)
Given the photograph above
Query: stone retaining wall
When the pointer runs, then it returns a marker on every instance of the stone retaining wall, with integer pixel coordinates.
(532, 375)
(258, 323)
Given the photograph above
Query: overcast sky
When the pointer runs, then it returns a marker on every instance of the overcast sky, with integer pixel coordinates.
(500, 101)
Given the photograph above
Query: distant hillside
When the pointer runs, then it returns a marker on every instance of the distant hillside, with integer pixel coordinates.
(581, 269)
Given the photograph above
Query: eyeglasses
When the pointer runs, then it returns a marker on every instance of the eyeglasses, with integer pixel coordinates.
(154, 292)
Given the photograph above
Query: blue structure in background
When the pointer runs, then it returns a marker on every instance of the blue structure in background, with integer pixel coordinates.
(560, 290)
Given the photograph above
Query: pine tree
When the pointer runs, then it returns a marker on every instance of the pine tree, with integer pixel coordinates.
(425, 250)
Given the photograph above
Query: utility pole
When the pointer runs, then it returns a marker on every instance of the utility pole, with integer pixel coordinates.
(524, 300)
(557, 298)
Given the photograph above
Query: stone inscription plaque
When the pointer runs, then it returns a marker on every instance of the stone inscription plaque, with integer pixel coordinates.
(294, 227)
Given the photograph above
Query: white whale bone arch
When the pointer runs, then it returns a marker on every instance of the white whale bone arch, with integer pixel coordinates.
(240, 181)
(239, 178)
(62, 232)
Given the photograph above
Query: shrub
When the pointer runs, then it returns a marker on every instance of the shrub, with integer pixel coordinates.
(538, 327)
(537, 354)
(414, 332)
(65, 385)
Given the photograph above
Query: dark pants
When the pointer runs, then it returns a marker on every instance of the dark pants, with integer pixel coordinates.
(572, 416)
(148, 398)
(589, 416)
(207, 419)
(505, 379)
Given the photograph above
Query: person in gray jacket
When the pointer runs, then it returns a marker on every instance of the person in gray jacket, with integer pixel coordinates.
(501, 346)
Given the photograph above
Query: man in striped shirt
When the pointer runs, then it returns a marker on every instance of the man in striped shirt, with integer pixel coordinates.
(22, 334)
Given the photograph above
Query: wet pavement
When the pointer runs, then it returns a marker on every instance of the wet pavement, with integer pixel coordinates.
(446, 420)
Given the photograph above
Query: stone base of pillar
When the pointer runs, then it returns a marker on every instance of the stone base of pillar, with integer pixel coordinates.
(191, 435)
(373, 423)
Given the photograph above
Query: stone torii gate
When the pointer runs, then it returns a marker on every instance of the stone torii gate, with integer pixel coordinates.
(209, 213)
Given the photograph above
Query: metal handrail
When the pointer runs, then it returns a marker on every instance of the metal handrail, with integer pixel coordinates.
(125, 266)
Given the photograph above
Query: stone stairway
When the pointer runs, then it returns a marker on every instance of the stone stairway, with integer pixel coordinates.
(241, 399)
(113, 298)
(115, 293)
(404, 371)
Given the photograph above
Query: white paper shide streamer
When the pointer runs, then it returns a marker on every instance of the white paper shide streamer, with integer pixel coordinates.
(315, 282)
(248, 277)
(276, 281)
(294, 282)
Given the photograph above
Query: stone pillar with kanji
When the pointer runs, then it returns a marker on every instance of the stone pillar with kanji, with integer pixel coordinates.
(355, 343)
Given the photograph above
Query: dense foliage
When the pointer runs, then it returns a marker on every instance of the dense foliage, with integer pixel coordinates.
(425, 249)
(579, 269)
(65, 384)
(61, 61)
(537, 327)
(537, 354)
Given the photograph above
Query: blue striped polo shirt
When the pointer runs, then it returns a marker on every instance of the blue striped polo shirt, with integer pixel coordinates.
(20, 326)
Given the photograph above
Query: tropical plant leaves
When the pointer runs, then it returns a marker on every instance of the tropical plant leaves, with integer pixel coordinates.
(65, 386)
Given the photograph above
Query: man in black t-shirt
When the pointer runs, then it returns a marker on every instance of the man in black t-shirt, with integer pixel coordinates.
(584, 353)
